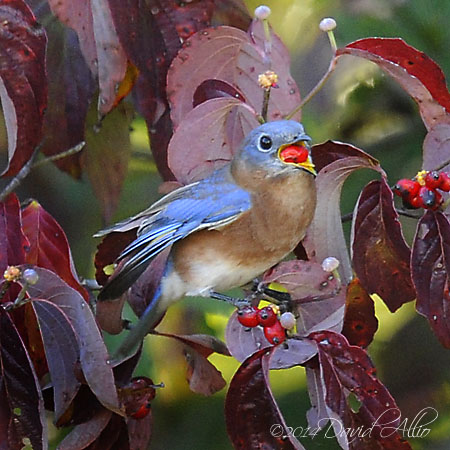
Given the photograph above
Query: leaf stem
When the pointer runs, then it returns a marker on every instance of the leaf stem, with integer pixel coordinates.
(265, 105)
(316, 88)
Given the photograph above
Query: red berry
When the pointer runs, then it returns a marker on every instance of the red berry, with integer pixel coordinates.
(267, 316)
(406, 188)
(445, 182)
(431, 199)
(275, 334)
(141, 412)
(432, 180)
(414, 202)
(294, 154)
(248, 316)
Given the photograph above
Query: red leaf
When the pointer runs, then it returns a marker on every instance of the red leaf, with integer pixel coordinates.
(430, 265)
(140, 432)
(23, 82)
(99, 44)
(360, 322)
(346, 368)
(325, 236)
(208, 126)
(381, 256)
(209, 89)
(13, 243)
(418, 74)
(251, 410)
(94, 356)
(26, 414)
(61, 350)
(49, 247)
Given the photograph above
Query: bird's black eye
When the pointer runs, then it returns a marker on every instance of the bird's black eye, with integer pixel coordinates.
(265, 143)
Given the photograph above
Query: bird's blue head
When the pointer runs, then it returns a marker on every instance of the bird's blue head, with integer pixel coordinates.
(277, 147)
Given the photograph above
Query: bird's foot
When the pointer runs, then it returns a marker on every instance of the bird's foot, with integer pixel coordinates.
(235, 301)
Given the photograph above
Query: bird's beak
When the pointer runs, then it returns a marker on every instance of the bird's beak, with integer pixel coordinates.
(297, 154)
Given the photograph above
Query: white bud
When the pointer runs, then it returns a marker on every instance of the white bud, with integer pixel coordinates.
(262, 12)
(287, 320)
(327, 24)
(30, 276)
(329, 264)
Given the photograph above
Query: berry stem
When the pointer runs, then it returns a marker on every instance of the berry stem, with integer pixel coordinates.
(315, 89)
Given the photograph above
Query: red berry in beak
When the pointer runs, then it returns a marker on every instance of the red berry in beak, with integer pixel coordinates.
(295, 154)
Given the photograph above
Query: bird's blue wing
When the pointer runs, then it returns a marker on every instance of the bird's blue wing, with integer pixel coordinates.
(207, 204)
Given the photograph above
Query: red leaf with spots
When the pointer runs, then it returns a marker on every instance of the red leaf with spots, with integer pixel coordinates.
(418, 74)
(430, 265)
(23, 81)
(381, 256)
(49, 247)
(345, 368)
(216, 127)
(360, 322)
(23, 414)
(151, 34)
(251, 409)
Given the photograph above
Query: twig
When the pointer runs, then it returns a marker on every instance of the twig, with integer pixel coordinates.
(30, 164)
(23, 173)
(315, 89)
(265, 105)
(71, 151)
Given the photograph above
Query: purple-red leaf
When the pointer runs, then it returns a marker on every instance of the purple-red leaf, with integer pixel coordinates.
(346, 368)
(99, 44)
(25, 406)
(430, 266)
(202, 376)
(23, 81)
(360, 322)
(209, 89)
(86, 433)
(251, 410)
(436, 148)
(381, 257)
(317, 295)
(61, 351)
(206, 138)
(13, 243)
(325, 236)
(418, 74)
(94, 356)
(71, 87)
(49, 247)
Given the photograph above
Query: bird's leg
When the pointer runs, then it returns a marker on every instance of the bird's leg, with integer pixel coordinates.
(238, 302)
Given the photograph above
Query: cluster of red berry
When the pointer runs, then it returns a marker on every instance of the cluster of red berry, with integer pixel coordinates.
(266, 317)
(422, 191)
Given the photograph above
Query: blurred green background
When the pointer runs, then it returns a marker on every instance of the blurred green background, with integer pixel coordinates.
(359, 105)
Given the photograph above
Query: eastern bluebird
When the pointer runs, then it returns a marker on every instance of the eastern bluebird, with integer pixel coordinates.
(224, 230)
